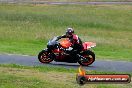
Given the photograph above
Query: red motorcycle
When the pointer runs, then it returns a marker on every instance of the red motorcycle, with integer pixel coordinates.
(56, 50)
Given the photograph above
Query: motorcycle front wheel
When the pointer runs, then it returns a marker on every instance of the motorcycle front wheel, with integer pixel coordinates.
(44, 57)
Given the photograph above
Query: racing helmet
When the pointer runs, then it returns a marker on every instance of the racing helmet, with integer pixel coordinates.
(69, 32)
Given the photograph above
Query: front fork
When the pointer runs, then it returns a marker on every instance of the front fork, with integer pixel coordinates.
(50, 54)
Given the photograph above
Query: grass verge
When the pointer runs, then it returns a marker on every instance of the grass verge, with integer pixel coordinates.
(46, 77)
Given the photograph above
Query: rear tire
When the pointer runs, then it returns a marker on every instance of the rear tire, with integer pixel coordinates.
(43, 57)
(90, 56)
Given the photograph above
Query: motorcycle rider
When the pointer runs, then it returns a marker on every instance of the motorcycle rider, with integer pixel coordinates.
(76, 46)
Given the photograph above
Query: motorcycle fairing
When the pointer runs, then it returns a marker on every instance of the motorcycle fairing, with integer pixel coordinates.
(65, 43)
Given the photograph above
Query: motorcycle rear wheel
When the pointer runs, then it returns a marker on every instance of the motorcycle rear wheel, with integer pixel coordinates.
(88, 55)
(43, 57)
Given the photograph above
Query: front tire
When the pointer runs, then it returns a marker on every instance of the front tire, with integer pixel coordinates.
(88, 55)
(44, 57)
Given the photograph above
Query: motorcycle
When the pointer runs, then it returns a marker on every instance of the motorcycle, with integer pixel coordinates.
(56, 50)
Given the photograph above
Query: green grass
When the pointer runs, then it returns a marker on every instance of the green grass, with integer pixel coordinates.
(58, 69)
(25, 29)
(80, 0)
(16, 76)
(74, 0)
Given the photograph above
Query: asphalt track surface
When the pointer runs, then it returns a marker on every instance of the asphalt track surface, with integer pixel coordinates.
(98, 65)
(62, 3)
